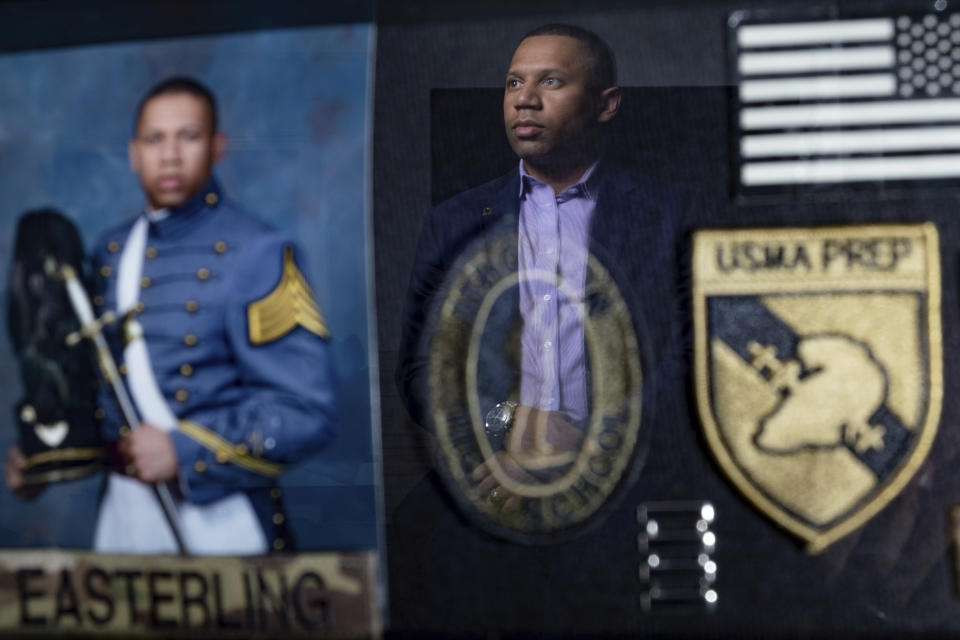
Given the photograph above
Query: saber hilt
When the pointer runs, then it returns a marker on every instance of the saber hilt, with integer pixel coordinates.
(91, 328)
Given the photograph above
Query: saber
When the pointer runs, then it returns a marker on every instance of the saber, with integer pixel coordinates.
(92, 329)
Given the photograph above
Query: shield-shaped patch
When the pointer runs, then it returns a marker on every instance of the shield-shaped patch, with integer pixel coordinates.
(818, 366)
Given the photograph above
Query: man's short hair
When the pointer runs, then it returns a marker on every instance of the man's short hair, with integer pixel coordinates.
(178, 84)
(604, 64)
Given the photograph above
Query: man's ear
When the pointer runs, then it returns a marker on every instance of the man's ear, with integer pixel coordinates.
(133, 157)
(219, 146)
(609, 104)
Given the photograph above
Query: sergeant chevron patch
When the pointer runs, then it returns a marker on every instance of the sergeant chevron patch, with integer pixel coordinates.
(289, 305)
(818, 366)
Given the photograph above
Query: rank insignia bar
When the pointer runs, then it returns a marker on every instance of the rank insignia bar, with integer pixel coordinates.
(818, 366)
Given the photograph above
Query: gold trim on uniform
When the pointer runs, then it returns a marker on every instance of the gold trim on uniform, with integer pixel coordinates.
(289, 305)
(57, 475)
(61, 455)
(225, 451)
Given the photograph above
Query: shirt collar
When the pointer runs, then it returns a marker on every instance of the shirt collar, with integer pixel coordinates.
(585, 187)
(174, 219)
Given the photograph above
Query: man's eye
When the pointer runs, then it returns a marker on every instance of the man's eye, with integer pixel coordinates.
(189, 135)
(513, 83)
(154, 139)
(552, 82)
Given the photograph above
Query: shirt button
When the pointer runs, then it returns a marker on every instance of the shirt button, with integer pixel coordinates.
(546, 297)
(549, 251)
(547, 344)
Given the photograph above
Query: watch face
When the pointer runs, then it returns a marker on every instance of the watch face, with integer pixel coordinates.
(526, 474)
(498, 419)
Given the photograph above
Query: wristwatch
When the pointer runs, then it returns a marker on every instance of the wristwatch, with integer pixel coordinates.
(499, 419)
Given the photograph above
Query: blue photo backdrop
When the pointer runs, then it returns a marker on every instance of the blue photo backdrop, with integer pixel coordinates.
(293, 104)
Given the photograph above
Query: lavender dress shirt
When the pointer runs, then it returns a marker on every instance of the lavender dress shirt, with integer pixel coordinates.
(552, 254)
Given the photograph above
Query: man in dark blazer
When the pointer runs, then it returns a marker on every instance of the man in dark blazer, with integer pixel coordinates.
(560, 94)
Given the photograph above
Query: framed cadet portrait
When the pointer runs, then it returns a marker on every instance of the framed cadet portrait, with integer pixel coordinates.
(248, 294)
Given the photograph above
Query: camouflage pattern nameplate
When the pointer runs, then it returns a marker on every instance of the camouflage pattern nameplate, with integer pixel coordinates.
(91, 594)
(818, 366)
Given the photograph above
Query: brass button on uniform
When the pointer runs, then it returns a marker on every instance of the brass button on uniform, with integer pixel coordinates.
(203, 273)
(144, 282)
(199, 466)
(98, 301)
(181, 395)
(99, 414)
(124, 430)
(186, 370)
(190, 340)
(278, 544)
(105, 271)
(220, 246)
(151, 253)
(278, 518)
(122, 368)
(192, 306)
(140, 307)
(28, 414)
(211, 198)
(275, 493)
(113, 247)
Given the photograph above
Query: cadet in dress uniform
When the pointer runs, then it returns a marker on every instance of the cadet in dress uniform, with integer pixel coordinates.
(221, 345)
